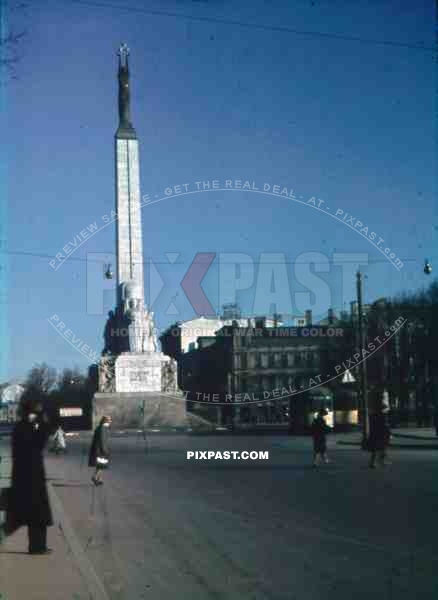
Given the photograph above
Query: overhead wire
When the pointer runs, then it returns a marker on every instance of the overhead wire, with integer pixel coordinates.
(245, 24)
(166, 262)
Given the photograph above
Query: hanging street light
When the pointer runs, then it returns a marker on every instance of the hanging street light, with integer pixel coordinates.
(427, 267)
(107, 271)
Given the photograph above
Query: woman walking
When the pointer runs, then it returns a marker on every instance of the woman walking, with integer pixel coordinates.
(319, 432)
(99, 451)
(28, 499)
(379, 435)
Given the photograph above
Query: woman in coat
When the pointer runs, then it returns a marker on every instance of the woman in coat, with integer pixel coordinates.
(319, 433)
(99, 451)
(28, 499)
(380, 434)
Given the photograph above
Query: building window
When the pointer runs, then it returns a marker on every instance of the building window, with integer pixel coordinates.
(264, 360)
(277, 359)
(254, 385)
(253, 356)
(290, 359)
(237, 361)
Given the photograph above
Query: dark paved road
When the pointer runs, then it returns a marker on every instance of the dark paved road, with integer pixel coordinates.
(163, 527)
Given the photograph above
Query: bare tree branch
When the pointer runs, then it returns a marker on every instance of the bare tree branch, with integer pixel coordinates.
(9, 44)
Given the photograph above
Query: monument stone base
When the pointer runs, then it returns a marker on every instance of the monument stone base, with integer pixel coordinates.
(138, 410)
(139, 390)
(140, 372)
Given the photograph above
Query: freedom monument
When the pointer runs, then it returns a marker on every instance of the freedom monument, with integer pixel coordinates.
(137, 384)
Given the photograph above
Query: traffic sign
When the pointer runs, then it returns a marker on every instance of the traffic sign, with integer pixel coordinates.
(348, 377)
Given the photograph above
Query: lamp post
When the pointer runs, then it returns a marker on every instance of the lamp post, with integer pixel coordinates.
(363, 364)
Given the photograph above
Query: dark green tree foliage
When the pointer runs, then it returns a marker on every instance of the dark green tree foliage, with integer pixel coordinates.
(406, 361)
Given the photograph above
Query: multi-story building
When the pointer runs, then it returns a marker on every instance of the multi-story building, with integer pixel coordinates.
(182, 336)
(246, 363)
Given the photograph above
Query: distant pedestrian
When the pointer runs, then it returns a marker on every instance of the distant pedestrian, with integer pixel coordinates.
(28, 499)
(379, 436)
(319, 433)
(99, 451)
(58, 441)
(435, 418)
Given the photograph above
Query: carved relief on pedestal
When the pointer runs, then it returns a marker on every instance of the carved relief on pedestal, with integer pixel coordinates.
(169, 380)
(107, 380)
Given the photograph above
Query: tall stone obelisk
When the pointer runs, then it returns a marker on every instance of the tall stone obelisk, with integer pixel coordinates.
(133, 375)
(129, 233)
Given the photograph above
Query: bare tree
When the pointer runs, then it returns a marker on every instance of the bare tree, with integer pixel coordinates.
(41, 379)
(10, 41)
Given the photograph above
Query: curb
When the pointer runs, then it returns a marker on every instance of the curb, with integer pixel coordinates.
(398, 446)
(411, 436)
(95, 587)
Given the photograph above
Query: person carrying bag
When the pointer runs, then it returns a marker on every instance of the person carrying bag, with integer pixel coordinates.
(99, 451)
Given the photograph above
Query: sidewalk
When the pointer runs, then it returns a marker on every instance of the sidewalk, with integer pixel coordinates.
(404, 438)
(66, 574)
(53, 577)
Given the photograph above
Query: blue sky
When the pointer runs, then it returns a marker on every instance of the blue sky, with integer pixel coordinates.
(351, 122)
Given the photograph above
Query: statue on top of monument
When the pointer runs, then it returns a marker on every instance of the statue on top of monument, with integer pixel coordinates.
(124, 93)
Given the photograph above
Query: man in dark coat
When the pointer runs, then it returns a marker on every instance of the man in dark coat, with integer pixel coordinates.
(28, 499)
(380, 434)
(319, 432)
(99, 451)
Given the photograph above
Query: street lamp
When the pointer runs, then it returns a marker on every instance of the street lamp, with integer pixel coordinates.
(363, 365)
(427, 267)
